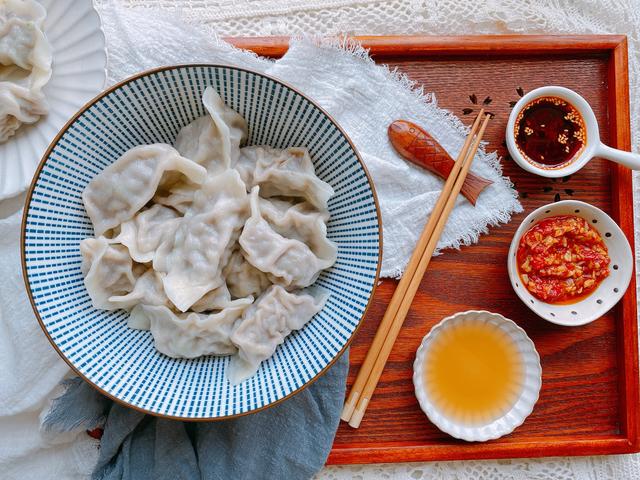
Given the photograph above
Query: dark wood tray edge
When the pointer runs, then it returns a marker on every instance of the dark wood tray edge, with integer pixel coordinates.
(490, 450)
(620, 135)
(465, 45)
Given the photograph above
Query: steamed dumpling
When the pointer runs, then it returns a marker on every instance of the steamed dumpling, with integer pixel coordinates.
(243, 279)
(148, 290)
(25, 64)
(193, 258)
(288, 172)
(108, 271)
(137, 319)
(288, 260)
(303, 223)
(18, 105)
(216, 299)
(213, 140)
(143, 234)
(265, 325)
(178, 196)
(20, 30)
(191, 335)
(125, 186)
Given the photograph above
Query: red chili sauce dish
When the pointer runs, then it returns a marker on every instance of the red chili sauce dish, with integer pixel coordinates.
(562, 259)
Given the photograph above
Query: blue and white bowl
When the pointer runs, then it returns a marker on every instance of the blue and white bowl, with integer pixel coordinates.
(123, 363)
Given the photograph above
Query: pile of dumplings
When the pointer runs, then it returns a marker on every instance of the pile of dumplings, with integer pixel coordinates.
(209, 245)
(25, 65)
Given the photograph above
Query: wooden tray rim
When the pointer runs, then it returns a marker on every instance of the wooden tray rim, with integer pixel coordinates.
(615, 46)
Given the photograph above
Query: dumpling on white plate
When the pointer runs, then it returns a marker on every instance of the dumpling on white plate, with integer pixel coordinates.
(243, 279)
(191, 335)
(265, 324)
(143, 234)
(288, 261)
(20, 21)
(194, 256)
(125, 186)
(213, 140)
(18, 105)
(288, 173)
(25, 65)
(108, 271)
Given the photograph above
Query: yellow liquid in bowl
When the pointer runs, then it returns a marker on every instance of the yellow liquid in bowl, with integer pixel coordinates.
(473, 372)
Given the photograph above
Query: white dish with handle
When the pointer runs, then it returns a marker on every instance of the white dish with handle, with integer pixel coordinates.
(593, 146)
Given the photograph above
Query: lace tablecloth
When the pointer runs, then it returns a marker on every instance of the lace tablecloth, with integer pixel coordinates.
(282, 17)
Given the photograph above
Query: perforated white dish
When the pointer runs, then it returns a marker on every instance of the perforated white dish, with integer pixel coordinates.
(608, 293)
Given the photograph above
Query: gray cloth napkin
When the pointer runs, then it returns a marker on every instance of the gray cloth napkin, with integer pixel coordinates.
(290, 440)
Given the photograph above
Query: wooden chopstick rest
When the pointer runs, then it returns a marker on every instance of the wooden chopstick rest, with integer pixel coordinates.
(416, 145)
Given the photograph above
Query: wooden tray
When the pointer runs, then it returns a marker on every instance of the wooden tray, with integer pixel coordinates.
(589, 399)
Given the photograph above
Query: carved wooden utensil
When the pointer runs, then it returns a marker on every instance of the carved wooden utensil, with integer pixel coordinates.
(420, 148)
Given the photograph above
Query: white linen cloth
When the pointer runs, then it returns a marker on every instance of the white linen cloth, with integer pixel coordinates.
(30, 371)
(39, 459)
(362, 97)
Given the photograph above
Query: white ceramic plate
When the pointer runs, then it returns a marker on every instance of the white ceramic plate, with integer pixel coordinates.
(608, 293)
(79, 61)
(523, 406)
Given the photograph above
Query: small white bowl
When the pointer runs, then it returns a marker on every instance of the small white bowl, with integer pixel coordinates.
(532, 380)
(608, 293)
(593, 148)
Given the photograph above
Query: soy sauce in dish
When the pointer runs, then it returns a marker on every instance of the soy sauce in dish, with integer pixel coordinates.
(550, 132)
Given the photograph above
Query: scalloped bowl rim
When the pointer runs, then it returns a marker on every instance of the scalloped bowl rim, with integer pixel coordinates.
(521, 409)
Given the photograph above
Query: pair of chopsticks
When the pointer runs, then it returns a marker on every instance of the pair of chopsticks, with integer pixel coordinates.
(376, 358)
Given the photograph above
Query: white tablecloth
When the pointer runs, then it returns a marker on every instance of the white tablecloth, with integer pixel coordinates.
(279, 17)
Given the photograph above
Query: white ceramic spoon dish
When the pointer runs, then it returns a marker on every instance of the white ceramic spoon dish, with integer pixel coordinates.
(593, 147)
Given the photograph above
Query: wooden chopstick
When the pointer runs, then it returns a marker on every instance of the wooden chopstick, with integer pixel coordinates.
(393, 319)
(406, 290)
(392, 308)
